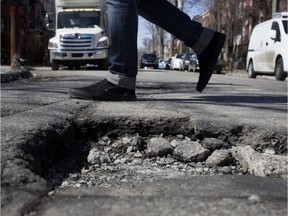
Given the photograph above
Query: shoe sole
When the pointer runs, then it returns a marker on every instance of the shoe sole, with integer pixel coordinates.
(206, 75)
(125, 97)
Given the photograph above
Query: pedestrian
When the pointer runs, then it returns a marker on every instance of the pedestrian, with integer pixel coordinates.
(120, 83)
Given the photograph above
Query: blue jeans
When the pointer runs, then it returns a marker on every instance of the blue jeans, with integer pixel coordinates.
(123, 28)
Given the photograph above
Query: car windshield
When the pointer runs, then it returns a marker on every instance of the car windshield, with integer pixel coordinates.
(285, 24)
(149, 56)
(179, 56)
(188, 56)
(81, 19)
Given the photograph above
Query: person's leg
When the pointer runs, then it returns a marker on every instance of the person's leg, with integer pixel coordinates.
(206, 43)
(121, 79)
(123, 27)
(162, 13)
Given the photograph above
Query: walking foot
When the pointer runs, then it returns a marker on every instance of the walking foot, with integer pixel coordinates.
(103, 91)
(208, 59)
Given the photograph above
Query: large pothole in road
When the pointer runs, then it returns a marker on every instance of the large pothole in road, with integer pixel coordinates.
(126, 148)
(130, 159)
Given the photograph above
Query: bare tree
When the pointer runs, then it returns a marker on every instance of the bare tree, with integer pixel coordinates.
(264, 6)
(157, 39)
(146, 42)
(153, 32)
(158, 34)
(161, 37)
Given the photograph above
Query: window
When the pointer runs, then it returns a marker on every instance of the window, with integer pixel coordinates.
(85, 19)
(285, 25)
(275, 27)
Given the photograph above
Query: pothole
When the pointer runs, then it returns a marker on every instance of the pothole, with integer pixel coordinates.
(109, 153)
(130, 159)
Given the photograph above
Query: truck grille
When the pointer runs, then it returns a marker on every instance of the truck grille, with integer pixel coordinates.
(76, 41)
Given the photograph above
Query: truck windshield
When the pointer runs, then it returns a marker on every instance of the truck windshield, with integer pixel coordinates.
(285, 23)
(78, 19)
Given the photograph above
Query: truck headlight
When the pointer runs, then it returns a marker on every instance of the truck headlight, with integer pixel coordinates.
(52, 45)
(103, 42)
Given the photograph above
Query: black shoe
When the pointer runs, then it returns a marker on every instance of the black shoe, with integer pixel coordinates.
(103, 91)
(208, 59)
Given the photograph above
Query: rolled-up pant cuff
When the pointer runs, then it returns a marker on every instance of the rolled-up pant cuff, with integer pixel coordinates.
(122, 81)
(204, 40)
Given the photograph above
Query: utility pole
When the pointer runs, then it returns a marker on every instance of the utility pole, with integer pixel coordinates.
(160, 32)
(172, 37)
(180, 7)
(13, 11)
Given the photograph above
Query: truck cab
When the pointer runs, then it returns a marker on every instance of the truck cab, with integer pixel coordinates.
(81, 34)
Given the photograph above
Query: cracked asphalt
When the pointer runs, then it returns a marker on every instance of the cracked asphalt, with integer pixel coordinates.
(39, 126)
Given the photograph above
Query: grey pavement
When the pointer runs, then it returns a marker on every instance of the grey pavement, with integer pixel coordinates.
(39, 124)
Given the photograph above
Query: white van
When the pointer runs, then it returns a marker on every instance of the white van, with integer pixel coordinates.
(268, 48)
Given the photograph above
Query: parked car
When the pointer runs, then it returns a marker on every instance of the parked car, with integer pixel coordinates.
(267, 50)
(194, 65)
(186, 60)
(162, 63)
(168, 64)
(176, 62)
(218, 66)
(149, 60)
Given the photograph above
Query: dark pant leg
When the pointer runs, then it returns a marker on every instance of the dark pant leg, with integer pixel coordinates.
(123, 28)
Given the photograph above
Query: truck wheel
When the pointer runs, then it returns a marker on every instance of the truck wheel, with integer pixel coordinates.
(251, 72)
(55, 65)
(279, 70)
(104, 64)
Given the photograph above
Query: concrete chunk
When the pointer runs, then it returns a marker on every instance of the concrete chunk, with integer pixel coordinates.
(261, 164)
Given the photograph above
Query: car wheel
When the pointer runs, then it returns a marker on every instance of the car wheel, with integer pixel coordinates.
(251, 72)
(279, 70)
(194, 68)
(55, 65)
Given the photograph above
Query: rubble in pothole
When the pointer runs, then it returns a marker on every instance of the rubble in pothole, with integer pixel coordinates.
(129, 159)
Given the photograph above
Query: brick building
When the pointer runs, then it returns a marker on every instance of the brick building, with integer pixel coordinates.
(31, 33)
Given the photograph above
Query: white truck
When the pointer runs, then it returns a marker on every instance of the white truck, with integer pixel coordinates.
(80, 34)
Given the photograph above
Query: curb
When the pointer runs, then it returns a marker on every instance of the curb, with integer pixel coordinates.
(8, 75)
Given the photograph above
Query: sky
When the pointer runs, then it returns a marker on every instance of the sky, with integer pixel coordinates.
(142, 29)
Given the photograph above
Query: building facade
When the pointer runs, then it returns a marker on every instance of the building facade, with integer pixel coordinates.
(31, 33)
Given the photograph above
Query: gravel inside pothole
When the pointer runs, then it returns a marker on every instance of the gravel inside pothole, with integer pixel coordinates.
(130, 159)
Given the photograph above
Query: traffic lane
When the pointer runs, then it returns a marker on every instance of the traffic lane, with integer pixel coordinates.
(51, 87)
